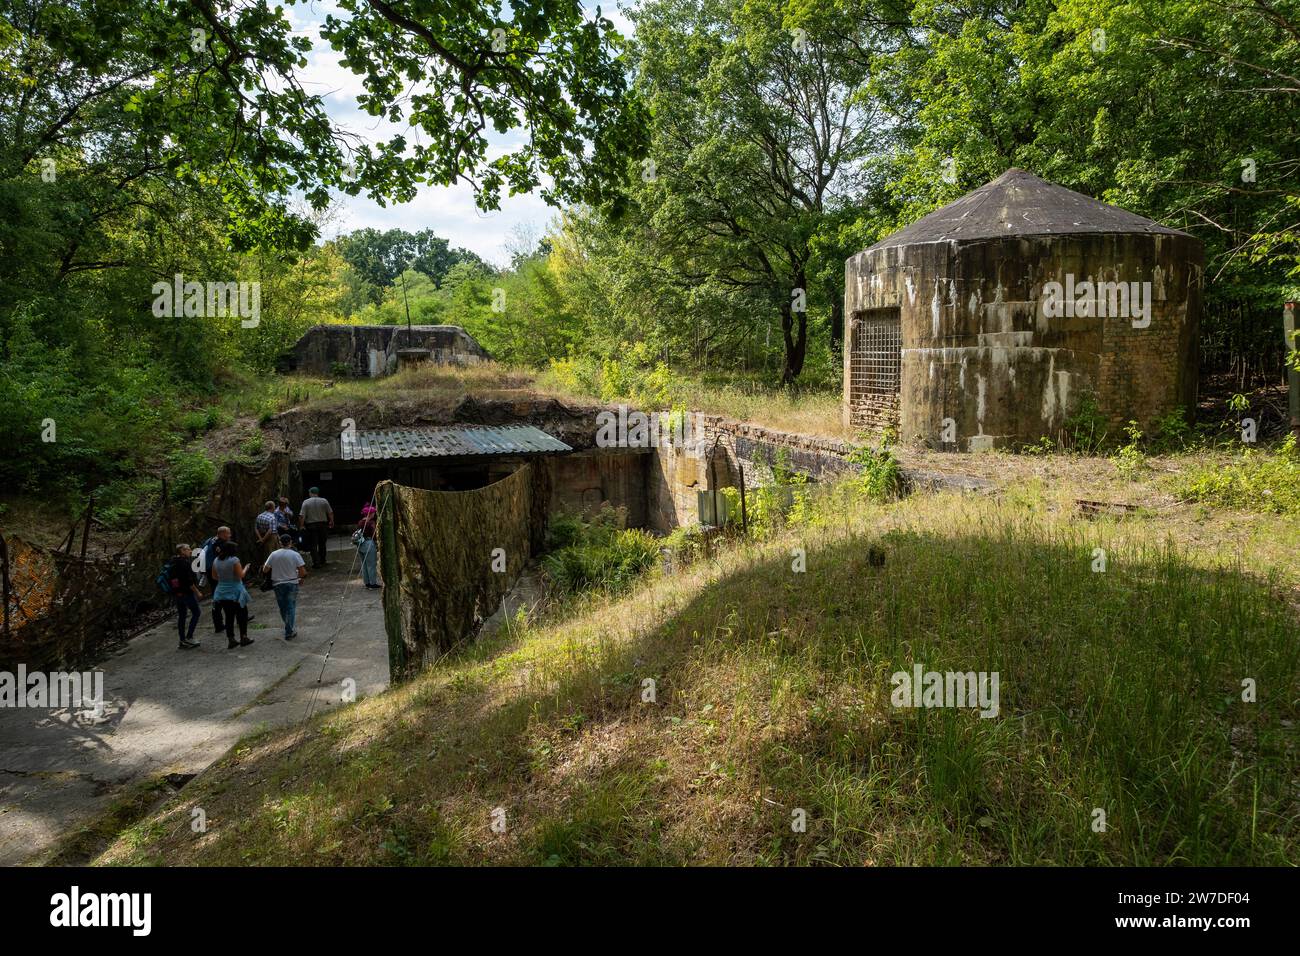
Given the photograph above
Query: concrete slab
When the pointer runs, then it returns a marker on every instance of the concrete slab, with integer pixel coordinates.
(170, 711)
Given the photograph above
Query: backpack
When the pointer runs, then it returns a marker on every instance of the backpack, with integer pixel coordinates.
(164, 580)
(203, 576)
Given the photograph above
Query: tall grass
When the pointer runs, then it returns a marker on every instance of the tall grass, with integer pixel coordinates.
(1121, 691)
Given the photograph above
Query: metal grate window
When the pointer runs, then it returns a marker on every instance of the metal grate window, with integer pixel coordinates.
(876, 361)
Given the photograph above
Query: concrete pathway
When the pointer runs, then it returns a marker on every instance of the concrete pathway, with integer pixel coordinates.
(170, 711)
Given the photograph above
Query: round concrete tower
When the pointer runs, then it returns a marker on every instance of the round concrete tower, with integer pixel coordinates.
(989, 322)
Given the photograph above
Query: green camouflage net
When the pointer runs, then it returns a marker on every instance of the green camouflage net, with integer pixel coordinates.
(442, 572)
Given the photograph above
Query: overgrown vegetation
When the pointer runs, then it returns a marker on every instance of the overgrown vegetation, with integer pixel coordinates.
(599, 553)
(697, 258)
(771, 693)
(1253, 481)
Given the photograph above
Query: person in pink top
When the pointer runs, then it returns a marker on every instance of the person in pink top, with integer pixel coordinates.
(366, 529)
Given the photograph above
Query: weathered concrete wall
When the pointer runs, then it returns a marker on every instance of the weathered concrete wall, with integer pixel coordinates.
(674, 481)
(730, 450)
(584, 481)
(369, 351)
(978, 346)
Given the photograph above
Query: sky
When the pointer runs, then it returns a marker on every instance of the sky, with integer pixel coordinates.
(449, 211)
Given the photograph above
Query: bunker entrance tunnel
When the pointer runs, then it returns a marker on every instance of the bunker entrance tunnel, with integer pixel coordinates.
(348, 468)
(448, 496)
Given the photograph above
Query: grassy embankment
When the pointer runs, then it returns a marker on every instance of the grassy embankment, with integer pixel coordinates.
(1120, 690)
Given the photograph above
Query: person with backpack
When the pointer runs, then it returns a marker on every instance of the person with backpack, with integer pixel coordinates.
(230, 594)
(209, 555)
(183, 586)
(364, 537)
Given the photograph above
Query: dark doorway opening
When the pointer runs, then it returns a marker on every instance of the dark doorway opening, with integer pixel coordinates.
(348, 489)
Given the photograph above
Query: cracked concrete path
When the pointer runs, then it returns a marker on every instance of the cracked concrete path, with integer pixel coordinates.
(170, 711)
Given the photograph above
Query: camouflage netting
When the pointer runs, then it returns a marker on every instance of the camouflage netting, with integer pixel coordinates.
(62, 609)
(441, 571)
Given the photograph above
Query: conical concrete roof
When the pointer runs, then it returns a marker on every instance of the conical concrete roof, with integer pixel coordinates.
(1018, 203)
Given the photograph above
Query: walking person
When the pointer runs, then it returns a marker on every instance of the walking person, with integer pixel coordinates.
(286, 522)
(185, 590)
(230, 594)
(209, 550)
(287, 570)
(366, 545)
(318, 518)
(266, 530)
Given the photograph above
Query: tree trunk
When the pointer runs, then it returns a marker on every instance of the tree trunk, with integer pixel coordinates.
(837, 324)
(794, 330)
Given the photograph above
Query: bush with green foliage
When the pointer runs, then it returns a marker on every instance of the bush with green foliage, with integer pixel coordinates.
(785, 500)
(1130, 459)
(1173, 431)
(1256, 481)
(881, 478)
(1085, 430)
(193, 475)
(598, 554)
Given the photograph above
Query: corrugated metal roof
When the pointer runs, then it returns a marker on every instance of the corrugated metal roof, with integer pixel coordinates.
(449, 441)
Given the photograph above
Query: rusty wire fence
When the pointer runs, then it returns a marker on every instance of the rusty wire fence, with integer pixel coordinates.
(64, 605)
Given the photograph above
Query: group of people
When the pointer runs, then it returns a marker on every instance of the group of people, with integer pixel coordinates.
(317, 522)
(279, 536)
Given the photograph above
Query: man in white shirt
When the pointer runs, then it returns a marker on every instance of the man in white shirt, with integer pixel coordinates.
(287, 569)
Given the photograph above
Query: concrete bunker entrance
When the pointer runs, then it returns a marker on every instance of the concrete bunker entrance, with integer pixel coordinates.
(348, 468)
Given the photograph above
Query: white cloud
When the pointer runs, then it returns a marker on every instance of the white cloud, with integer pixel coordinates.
(449, 211)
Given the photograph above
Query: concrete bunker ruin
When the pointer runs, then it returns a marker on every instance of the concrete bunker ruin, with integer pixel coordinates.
(371, 351)
(989, 322)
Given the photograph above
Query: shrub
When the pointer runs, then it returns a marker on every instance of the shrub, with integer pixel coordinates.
(192, 475)
(253, 445)
(881, 478)
(1257, 481)
(1086, 429)
(195, 423)
(687, 542)
(639, 378)
(577, 373)
(565, 530)
(1172, 430)
(1130, 461)
(597, 554)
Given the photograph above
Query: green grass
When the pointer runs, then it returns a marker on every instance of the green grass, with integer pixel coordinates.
(805, 410)
(1120, 690)
(1255, 480)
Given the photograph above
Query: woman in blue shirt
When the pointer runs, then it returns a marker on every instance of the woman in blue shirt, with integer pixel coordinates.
(230, 594)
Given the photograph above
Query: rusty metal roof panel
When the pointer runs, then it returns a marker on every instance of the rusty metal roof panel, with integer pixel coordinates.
(448, 442)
